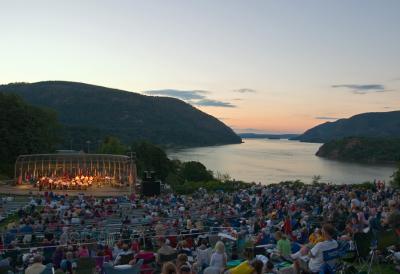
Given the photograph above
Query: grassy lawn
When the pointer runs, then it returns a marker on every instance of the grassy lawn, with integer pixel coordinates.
(8, 220)
(14, 217)
(377, 269)
(17, 198)
(4, 177)
(384, 269)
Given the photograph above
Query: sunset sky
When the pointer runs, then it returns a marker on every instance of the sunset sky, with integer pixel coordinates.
(259, 66)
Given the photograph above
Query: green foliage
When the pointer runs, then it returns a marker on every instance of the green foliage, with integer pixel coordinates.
(12, 218)
(316, 179)
(174, 180)
(4, 177)
(91, 113)
(24, 129)
(362, 149)
(184, 178)
(395, 182)
(195, 171)
(112, 145)
(295, 184)
(223, 177)
(150, 157)
(365, 186)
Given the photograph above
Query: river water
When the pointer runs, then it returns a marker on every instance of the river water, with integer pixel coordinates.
(272, 161)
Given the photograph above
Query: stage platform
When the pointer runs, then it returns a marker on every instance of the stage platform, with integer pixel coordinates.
(105, 191)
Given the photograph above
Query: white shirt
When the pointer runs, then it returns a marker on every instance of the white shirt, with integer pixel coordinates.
(75, 220)
(317, 261)
(203, 256)
(218, 260)
(355, 202)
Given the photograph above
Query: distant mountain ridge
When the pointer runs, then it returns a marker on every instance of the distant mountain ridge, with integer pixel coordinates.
(267, 136)
(372, 124)
(90, 113)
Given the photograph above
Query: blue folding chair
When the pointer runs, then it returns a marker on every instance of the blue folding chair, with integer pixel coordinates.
(331, 257)
(135, 269)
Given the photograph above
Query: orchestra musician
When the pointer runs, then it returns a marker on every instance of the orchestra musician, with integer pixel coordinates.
(75, 182)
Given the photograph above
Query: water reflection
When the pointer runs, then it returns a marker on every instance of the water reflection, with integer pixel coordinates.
(271, 161)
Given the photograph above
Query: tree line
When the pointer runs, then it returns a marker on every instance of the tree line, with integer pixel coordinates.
(183, 177)
(24, 129)
(27, 129)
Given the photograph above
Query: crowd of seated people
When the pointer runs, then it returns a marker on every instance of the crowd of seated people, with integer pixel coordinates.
(199, 233)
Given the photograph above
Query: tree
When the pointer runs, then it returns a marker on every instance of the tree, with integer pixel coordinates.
(195, 172)
(112, 145)
(152, 158)
(223, 177)
(24, 129)
(316, 179)
(174, 179)
(395, 182)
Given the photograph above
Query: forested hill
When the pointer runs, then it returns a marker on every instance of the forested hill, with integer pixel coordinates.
(361, 149)
(90, 113)
(374, 124)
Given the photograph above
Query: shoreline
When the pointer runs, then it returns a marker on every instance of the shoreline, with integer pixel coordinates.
(270, 161)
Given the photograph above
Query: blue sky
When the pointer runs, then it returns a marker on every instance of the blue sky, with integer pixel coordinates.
(269, 66)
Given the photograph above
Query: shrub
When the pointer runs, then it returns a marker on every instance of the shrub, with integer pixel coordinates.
(395, 182)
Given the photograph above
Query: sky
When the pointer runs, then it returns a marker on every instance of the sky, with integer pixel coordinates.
(259, 66)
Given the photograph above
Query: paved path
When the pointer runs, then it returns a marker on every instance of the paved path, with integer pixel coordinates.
(105, 191)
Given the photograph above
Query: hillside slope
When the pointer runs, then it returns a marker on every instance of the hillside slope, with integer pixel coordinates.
(89, 113)
(361, 149)
(373, 124)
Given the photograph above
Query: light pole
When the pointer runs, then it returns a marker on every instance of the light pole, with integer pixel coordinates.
(132, 172)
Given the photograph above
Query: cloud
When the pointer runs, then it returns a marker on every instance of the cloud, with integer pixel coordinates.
(194, 97)
(245, 90)
(181, 94)
(326, 118)
(213, 103)
(362, 89)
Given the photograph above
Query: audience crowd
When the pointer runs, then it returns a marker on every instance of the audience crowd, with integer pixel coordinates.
(261, 229)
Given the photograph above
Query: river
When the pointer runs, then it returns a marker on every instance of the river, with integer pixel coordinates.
(272, 161)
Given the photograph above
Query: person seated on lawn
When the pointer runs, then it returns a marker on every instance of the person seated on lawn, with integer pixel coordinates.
(315, 255)
(169, 268)
(247, 267)
(270, 268)
(125, 256)
(283, 244)
(165, 250)
(316, 236)
(37, 267)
